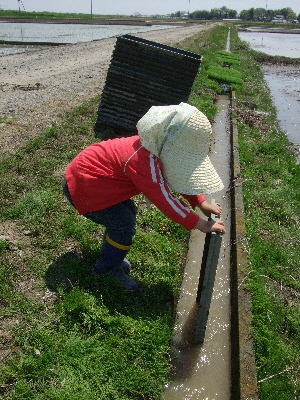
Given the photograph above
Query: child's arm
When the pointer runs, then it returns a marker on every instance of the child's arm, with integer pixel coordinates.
(205, 207)
(210, 226)
(208, 208)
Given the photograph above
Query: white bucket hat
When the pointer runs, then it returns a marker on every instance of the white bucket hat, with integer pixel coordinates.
(180, 136)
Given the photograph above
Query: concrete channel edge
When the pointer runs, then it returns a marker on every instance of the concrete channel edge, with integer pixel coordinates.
(243, 367)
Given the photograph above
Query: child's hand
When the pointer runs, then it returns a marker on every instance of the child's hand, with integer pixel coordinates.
(208, 208)
(210, 226)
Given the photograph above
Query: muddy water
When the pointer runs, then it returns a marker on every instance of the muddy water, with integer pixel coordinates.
(203, 371)
(274, 44)
(283, 81)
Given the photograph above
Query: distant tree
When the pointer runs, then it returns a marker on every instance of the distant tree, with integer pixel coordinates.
(216, 13)
(288, 13)
(232, 14)
(247, 15)
(270, 15)
(200, 14)
(244, 15)
(260, 14)
(251, 14)
(224, 11)
(176, 14)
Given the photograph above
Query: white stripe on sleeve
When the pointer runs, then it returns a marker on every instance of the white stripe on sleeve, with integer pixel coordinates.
(170, 200)
(152, 168)
(173, 201)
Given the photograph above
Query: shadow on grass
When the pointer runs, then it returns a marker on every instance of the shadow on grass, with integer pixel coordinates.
(73, 271)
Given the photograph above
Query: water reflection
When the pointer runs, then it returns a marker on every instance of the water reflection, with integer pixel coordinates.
(283, 81)
(274, 44)
(67, 33)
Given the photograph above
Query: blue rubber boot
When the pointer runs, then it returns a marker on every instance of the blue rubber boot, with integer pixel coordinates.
(112, 260)
(126, 265)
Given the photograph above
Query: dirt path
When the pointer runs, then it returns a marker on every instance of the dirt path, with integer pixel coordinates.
(39, 87)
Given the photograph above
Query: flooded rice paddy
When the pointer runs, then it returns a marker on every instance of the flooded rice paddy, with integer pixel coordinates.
(283, 81)
(274, 44)
(62, 33)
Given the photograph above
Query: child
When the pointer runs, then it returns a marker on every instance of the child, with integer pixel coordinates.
(170, 152)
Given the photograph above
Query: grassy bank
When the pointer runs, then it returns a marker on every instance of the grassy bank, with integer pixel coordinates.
(65, 335)
(69, 335)
(271, 189)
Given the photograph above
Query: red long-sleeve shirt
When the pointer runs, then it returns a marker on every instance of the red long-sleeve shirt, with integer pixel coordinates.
(111, 171)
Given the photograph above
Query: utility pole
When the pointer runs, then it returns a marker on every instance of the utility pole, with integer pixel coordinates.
(91, 9)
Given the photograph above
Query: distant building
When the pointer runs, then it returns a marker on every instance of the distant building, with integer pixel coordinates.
(279, 19)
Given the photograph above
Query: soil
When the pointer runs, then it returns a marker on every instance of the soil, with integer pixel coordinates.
(39, 86)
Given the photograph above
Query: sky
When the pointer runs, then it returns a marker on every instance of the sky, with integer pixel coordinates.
(144, 7)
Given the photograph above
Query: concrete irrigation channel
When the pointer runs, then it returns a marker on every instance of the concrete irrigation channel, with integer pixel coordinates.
(223, 366)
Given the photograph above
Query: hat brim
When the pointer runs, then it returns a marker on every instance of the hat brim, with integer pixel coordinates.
(190, 174)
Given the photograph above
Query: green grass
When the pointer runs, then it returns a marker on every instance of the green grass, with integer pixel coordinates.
(72, 336)
(78, 337)
(271, 190)
(5, 120)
